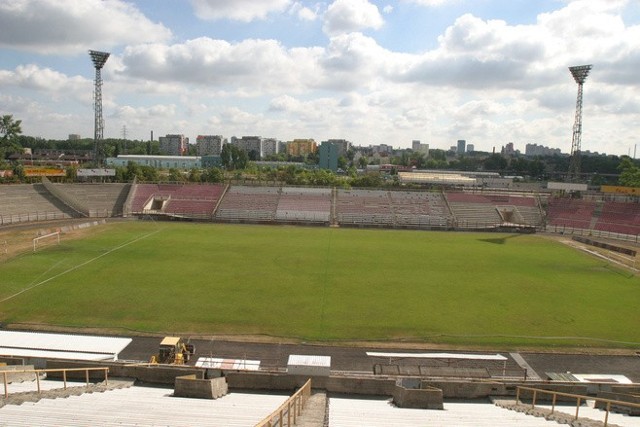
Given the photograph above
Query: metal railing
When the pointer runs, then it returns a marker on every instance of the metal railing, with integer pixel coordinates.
(38, 372)
(562, 229)
(8, 219)
(287, 414)
(579, 399)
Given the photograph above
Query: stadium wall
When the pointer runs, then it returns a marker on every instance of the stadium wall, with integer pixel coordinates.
(357, 385)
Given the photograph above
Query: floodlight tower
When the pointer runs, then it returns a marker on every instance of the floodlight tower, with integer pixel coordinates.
(579, 74)
(99, 59)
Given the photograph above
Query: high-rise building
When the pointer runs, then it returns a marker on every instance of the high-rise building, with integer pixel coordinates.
(382, 148)
(74, 137)
(470, 148)
(418, 147)
(461, 146)
(301, 147)
(539, 150)
(251, 144)
(209, 145)
(173, 145)
(270, 147)
(329, 153)
(509, 150)
(342, 144)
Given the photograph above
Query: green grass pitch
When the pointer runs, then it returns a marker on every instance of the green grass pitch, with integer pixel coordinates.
(325, 284)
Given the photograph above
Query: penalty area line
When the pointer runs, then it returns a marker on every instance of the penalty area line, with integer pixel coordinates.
(80, 265)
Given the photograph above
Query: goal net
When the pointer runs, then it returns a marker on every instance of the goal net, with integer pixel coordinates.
(46, 240)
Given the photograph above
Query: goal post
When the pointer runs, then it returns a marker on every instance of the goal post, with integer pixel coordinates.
(46, 239)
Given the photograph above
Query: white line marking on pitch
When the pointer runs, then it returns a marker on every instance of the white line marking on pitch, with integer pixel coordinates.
(79, 265)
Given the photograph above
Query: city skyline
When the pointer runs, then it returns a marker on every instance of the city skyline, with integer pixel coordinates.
(371, 72)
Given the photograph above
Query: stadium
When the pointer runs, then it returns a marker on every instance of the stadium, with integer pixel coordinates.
(392, 302)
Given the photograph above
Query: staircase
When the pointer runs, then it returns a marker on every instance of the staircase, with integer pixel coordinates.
(314, 412)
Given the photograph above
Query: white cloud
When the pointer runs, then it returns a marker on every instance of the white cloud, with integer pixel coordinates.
(345, 16)
(486, 80)
(431, 3)
(305, 13)
(239, 10)
(45, 80)
(70, 26)
(259, 65)
(142, 114)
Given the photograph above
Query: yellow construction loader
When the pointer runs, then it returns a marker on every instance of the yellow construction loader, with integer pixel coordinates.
(174, 351)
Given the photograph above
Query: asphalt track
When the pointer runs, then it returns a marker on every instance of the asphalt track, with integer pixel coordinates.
(354, 358)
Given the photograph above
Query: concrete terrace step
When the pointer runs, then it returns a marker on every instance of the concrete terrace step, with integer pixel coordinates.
(556, 415)
(71, 390)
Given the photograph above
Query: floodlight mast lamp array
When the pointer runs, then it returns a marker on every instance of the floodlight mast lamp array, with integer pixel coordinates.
(579, 74)
(99, 59)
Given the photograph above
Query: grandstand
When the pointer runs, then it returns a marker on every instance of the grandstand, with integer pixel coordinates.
(619, 217)
(29, 203)
(417, 209)
(476, 211)
(394, 208)
(305, 205)
(176, 200)
(99, 200)
(142, 406)
(573, 213)
(125, 403)
(364, 208)
(373, 412)
(249, 204)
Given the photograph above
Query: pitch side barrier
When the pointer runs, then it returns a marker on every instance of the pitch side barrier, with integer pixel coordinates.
(32, 217)
(561, 229)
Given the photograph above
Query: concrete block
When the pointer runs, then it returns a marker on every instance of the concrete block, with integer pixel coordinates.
(190, 386)
(13, 376)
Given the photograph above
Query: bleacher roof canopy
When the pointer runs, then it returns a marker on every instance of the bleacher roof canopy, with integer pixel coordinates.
(61, 346)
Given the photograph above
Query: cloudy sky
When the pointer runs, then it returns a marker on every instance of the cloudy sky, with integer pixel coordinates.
(372, 72)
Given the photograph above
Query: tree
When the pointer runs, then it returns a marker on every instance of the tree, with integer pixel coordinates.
(342, 163)
(373, 179)
(133, 170)
(362, 162)
(212, 175)
(9, 128)
(233, 157)
(9, 132)
(629, 173)
(225, 156)
(417, 159)
(195, 175)
(175, 175)
(495, 162)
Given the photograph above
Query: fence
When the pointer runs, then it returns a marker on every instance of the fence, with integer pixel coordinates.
(561, 229)
(579, 399)
(32, 217)
(289, 410)
(38, 372)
